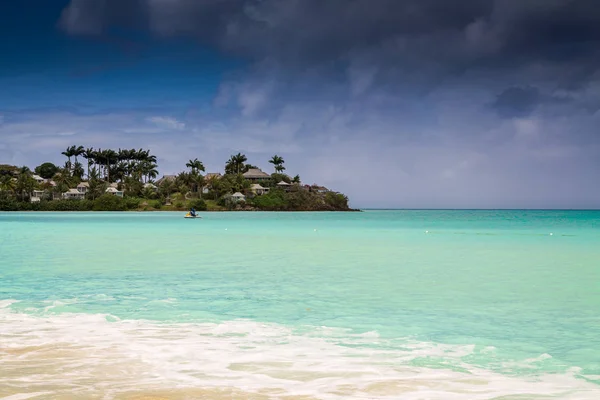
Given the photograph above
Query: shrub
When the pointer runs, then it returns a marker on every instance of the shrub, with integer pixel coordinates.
(156, 204)
(272, 201)
(179, 205)
(109, 202)
(198, 204)
(132, 203)
(336, 200)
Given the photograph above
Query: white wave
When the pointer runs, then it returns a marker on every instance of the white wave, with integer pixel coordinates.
(81, 353)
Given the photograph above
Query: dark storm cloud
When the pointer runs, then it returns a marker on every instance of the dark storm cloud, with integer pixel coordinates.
(435, 37)
(517, 101)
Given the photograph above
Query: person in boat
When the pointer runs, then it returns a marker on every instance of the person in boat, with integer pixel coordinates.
(193, 212)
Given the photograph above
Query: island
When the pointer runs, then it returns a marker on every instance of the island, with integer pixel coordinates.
(121, 180)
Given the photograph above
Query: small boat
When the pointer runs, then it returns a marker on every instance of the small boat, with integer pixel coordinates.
(188, 215)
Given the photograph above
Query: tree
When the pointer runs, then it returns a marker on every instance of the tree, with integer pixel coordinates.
(63, 180)
(195, 165)
(296, 179)
(78, 151)
(278, 163)
(47, 170)
(25, 184)
(78, 170)
(69, 152)
(96, 187)
(235, 164)
(89, 155)
(7, 183)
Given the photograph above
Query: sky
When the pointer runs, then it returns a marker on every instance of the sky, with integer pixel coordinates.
(397, 104)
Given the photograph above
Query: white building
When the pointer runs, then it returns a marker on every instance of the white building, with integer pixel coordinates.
(114, 191)
(237, 197)
(73, 194)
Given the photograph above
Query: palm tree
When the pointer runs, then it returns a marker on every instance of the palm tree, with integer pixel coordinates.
(110, 157)
(195, 165)
(97, 187)
(88, 154)
(235, 164)
(278, 163)
(296, 179)
(148, 170)
(69, 152)
(78, 170)
(63, 180)
(7, 184)
(213, 183)
(78, 151)
(230, 166)
(25, 184)
(197, 182)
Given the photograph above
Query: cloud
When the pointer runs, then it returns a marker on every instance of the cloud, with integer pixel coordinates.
(517, 101)
(422, 38)
(167, 122)
(415, 103)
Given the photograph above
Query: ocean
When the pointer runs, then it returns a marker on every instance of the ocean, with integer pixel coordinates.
(368, 305)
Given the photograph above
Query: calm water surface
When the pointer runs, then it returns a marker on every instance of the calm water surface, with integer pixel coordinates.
(373, 305)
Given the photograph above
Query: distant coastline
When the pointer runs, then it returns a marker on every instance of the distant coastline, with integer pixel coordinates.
(125, 180)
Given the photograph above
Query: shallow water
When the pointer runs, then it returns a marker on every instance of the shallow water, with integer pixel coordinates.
(380, 304)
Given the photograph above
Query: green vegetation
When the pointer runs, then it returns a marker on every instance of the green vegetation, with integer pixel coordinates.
(120, 180)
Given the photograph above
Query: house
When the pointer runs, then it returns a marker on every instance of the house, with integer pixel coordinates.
(73, 194)
(38, 179)
(114, 191)
(256, 175)
(237, 197)
(83, 187)
(285, 186)
(165, 178)
(319, 189)
(37, 195)
(213, 175)
(150, 186)
(258, 190)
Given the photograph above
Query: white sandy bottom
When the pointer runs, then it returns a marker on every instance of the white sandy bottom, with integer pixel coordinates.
(80, 356)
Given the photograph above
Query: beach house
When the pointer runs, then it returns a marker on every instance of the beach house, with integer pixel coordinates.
(114, 191)
(165, 178)
(237, 197)
(83, 187)
(256, 175)
(258, 190)
(285, 186)
(37, 195)
(38, 179)
(213, 175)
(73, 194)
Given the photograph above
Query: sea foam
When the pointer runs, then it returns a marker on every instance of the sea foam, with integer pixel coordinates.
(85, 354)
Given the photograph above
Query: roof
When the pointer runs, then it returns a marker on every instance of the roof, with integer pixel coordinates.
(282, 183)
(256, 186)
(167, 178)
(256, 173)
(150, 185)
(213, 175)
(237, 194)
(38, 178)
(112, 190)
(113, 185)
(84, 184)
(74, 191)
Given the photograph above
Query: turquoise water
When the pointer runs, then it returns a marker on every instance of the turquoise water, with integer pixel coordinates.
(378, 304)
